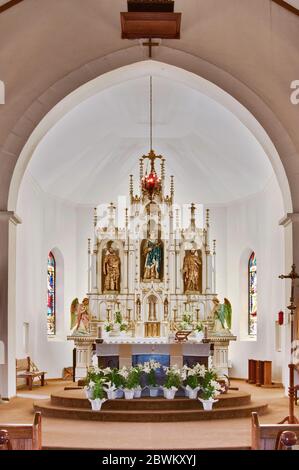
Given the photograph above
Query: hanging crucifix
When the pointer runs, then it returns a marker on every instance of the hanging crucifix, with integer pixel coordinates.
(291, 418)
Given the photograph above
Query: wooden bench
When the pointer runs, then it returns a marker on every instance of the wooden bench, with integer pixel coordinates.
(22, 436)
(268, 436)
(26, 369)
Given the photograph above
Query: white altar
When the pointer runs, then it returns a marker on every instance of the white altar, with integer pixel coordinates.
(151, 277)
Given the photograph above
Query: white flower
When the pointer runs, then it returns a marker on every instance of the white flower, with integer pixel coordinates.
(91, 384)
(106, 371)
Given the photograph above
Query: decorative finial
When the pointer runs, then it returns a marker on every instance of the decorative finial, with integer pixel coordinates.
(172, 186)
(214, 247)
(89, 246)
(131, 187)
(193, 208)
(95, 216)
(127, 218)
(163, 169)
(141, 169)
(208, 217)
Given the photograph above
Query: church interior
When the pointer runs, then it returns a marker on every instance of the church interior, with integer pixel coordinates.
(149, 228)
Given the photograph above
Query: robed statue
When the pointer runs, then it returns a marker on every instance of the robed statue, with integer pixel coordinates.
(222, 315)
(80, 317)
(192, 272)
(152, 251)
(111, 270)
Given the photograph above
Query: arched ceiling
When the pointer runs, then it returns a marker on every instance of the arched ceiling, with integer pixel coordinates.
(87, 156)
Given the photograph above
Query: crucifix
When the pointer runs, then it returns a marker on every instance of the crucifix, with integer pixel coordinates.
(150, 44)
(291, 418)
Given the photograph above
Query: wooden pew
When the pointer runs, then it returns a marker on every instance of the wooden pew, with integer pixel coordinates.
(26, 369)
(23, 436)
(268, 436)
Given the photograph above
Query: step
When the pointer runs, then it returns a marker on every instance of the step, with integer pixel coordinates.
(77, 399)
(49, 410)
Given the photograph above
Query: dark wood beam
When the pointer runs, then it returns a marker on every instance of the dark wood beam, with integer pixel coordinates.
(9, 4)
(287, 6)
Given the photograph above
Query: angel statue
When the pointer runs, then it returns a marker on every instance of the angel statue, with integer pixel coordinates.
(222, 313)
(80, 317)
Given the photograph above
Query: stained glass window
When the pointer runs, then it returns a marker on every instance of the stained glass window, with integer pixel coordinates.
(252, 295)
(51, 312)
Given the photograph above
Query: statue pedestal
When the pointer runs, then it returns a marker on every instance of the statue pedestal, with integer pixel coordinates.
(220, 357)
(83, 346)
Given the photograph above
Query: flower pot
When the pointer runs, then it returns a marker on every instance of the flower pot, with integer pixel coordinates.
(199, 335)
(111, 393)
(129, 393)
(96, 404)
(192, 392)
(137, 392)
(119, 393)
(208, 404)
(88, 393)
(169, 393)
(154, 391)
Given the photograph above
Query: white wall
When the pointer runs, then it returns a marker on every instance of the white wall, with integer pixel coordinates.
(49, 224)
(253, 225)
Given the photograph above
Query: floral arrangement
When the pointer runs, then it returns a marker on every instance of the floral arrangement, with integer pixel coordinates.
(210, 387)
(150, 368)
(173, 377)
(192, 376)
(198, 327)
(119, 323)
(186, 323)
(131, 377)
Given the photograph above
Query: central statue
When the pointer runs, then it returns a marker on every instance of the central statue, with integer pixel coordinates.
(192, 272)
(111, 270)
(152, 251)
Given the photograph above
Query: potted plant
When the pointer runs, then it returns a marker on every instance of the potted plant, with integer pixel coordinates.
(131, 382)
(186, 323)
(193, 377)
(150, 368)
(210, 389)
(94, 374)
(199, 333)
(172, 382)
(117, 381)
(98, 395)
(138, 373)
(108, 327)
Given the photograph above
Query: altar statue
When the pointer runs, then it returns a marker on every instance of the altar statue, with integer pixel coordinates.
(192, 272)
(74, 312)
(152, 251)
(222, 314)
(111, 270)
(83, 317)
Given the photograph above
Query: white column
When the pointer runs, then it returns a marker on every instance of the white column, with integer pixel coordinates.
(8, 226)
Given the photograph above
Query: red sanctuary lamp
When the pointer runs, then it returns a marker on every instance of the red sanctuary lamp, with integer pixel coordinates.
(151, 183)
(280, 318)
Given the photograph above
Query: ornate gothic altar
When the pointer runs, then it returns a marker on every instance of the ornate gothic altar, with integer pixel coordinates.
(152, 274)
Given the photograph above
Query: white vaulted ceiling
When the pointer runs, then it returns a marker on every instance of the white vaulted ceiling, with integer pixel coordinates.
(89, 154)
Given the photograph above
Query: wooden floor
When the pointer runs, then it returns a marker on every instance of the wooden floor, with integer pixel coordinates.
(226, 433)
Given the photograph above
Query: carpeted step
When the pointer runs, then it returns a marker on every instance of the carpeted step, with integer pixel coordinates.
(49, 410)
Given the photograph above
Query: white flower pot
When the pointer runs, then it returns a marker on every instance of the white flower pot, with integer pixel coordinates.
(192, 392)
(111, 393)
(208, 404)
(96, 404)
(169, 393)
(154, 391)
(88, 393)
(129, 394)
(199, 335)
(119, 393)
(137, 392)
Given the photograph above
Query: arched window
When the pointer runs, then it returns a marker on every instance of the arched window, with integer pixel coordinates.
(51, 312)
(252, 295)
